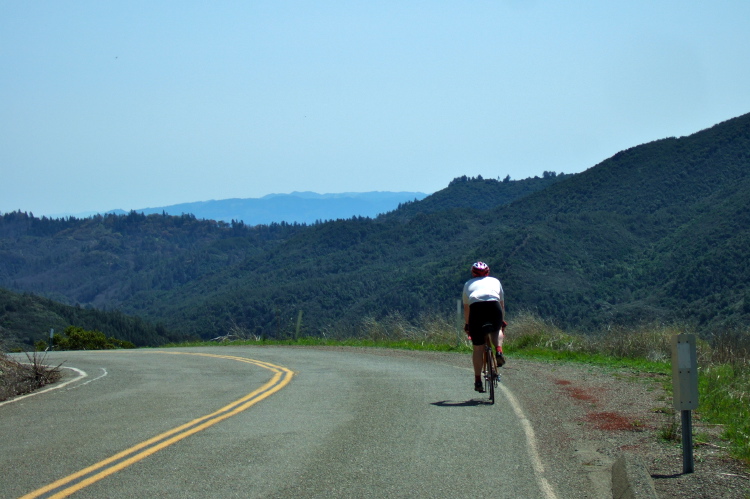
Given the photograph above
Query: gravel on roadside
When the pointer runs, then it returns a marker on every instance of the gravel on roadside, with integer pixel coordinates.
(609, 411)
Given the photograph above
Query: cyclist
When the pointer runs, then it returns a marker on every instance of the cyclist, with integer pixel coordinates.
(484, 311)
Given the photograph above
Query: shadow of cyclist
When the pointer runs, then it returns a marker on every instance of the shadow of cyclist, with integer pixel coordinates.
(467, 403)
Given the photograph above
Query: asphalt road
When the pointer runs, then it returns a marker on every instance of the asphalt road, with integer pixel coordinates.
(272, 422)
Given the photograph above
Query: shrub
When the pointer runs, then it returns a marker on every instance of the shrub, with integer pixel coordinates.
(76, 338)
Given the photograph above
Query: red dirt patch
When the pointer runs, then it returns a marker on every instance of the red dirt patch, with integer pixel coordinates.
(580, 394)
(610, 421)
(573, 392)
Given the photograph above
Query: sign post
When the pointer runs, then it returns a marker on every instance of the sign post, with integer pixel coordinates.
(299, 324)
(685, 388)
(51, 338)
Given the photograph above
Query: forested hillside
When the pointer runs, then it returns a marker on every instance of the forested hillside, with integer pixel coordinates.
(477, 193)
(657, 232)
(25, 319)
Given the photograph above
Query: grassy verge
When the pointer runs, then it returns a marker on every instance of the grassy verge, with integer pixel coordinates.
(725, 399)
(430, 333)
(724, 366)
(351, 342)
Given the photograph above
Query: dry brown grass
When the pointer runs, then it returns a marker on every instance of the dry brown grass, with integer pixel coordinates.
(428, 330)
(17, 378)
(651, 341)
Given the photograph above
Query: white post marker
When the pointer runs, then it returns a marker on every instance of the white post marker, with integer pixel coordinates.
(299, 324)
(685, 388)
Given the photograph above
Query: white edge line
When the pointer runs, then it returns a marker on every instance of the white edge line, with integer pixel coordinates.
(536, 461)
(81, 375)
(549, 493)
(105, 373)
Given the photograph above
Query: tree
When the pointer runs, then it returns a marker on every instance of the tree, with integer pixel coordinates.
(77, 338)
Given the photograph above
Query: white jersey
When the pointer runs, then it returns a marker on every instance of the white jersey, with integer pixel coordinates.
(482, 289)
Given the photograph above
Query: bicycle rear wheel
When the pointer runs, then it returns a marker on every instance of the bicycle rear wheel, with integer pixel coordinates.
(490, 374)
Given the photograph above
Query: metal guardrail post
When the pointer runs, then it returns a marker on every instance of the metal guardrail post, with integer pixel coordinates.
(688, 464)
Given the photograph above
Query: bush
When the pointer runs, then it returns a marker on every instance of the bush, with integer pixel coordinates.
(76, 338)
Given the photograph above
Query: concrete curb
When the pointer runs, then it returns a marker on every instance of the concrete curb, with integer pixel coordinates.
(630, 479)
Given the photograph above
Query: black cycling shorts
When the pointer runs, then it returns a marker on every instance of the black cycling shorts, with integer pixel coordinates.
(484, 317)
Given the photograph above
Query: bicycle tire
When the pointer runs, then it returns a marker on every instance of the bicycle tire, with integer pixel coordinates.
(490, 374)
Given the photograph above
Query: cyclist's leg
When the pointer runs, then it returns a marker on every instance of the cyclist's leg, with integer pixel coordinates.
(477, 359)
(497, 340)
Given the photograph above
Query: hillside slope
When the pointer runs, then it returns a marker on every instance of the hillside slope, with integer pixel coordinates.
(618, 243)
(657, 232)
(477, 193)
(25, 319)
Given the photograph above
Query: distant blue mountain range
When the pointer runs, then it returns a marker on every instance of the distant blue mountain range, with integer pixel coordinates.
(300, 207)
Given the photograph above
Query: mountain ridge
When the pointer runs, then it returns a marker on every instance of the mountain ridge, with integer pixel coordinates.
(657, 232)
(304, 207)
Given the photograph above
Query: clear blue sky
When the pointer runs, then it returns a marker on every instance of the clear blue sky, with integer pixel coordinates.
(140, 104)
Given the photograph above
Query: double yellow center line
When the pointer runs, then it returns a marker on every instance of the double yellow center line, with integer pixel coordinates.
(77, 481)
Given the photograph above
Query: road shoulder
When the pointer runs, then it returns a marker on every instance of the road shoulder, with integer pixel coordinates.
(599, 414)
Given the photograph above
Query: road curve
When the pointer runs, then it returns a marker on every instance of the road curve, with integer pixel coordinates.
(349, 423)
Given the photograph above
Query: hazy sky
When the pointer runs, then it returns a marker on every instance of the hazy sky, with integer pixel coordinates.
(135, 104)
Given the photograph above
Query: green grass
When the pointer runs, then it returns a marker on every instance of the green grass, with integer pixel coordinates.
(724, 392)
(545, 353)
(351, 342)
(430, 333)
